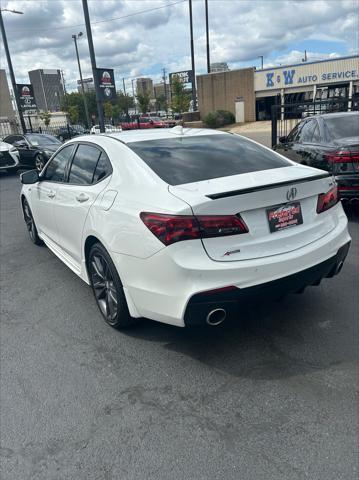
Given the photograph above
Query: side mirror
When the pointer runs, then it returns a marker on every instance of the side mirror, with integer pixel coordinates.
(32, 176)
(283, 139)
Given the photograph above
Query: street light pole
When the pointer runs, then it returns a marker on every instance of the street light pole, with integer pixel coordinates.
(101, 119)
(207, 38)
(11, 71)
(194, 96)
(75, 37)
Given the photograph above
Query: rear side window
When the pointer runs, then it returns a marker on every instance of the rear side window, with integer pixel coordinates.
(103, 168)
(83, 165)
(193, 159)
(55, 171)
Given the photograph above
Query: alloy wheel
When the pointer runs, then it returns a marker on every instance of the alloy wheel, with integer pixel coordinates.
(29, 221)
(104, 287)
(39, 163)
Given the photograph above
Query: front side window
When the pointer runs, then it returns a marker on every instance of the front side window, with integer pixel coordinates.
(83, 165)
(55, 171)
(203, 157)
(41, 139)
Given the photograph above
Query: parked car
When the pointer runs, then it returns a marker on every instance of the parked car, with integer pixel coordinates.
(9, 157)
(330, 142)
(143, 123)
(108, 129)
(181, 225)
(34, 148)
(67, 132)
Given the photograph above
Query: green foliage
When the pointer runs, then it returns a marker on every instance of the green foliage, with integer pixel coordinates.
(107, 110)
(73, 112)
(46, 118)
(143, 103)
(219, 119)
(161, 103)
(75, 99)
(180, 99)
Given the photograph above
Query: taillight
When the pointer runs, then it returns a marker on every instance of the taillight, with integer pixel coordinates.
(175, 228)
(342, 156)
(327, 200)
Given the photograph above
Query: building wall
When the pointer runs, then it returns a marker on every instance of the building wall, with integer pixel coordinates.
(48, 89)
(219, 91)
(6, 110)
(144, 86)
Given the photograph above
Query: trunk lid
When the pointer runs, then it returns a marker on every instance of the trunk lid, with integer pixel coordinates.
(251, 195)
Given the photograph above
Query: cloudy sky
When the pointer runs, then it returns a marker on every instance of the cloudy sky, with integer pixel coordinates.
(140, 37)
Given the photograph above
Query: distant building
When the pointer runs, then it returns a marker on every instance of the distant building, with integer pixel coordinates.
(144, 86)
(88, 83)
(6, 109)
(160, 90)
(219, 67)
(48, 89)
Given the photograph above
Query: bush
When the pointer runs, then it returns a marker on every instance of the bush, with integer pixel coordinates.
(219, 119)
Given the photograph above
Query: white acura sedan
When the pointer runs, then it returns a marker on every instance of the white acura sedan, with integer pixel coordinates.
(183, 225)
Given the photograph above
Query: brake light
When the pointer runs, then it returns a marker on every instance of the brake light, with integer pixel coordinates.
(342, 156)
(175, 228)
(327, 200)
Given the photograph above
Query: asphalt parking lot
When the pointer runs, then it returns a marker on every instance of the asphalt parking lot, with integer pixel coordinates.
(271, 395)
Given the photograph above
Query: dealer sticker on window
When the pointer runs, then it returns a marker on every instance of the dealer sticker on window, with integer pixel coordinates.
(284, 216)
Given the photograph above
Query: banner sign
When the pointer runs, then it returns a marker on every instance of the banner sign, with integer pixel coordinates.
(184, 77)
(106, 82)
(27, 99)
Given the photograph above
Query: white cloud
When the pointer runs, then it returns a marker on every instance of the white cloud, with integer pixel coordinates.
(240, 31)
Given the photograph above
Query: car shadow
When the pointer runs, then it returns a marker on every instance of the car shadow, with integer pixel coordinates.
(277, 340)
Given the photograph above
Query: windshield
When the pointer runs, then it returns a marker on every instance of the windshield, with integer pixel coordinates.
(193, 159)
(344, 126)
(41, 139)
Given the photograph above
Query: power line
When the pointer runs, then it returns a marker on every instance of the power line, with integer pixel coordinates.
(100, 21)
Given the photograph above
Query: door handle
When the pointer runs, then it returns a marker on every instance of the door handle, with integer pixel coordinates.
(82, 197)
(51, 194)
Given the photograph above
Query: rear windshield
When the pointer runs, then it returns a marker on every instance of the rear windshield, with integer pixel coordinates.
(343, 127)
(192, 159)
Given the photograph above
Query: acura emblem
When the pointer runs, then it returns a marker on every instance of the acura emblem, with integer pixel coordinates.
(291, 194)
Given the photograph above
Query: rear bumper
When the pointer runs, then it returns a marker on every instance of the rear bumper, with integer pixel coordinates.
(348, 186)
(162, 286)
(201, 304)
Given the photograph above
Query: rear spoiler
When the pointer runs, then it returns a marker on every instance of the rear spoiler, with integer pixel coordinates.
(242, 191)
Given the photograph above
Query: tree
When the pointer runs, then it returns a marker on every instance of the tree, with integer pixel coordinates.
(107, 110)
(161, 103)
(73, 112)
(75, 99)
(143, 102)
(180, 99)
(46, 118)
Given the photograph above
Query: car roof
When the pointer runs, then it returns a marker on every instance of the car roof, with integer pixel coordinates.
(129, 136)
(336, 114)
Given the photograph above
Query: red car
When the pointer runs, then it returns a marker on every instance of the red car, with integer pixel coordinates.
(144, 122)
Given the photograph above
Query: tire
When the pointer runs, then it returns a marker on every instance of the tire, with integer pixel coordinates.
(39, 162)
(30, 224)
(107, 289)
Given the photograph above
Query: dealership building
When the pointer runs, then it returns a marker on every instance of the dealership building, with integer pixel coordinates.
(255, 91)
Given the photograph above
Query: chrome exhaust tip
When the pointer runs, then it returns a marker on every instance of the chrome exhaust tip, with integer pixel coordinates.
(216, 317)
(339, 267)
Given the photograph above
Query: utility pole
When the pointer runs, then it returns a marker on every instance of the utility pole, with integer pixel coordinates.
(101, 120)
(262, 58)
(11, 71)
(194, 95)
(125, 94)
(88, 121)
(207, 38)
